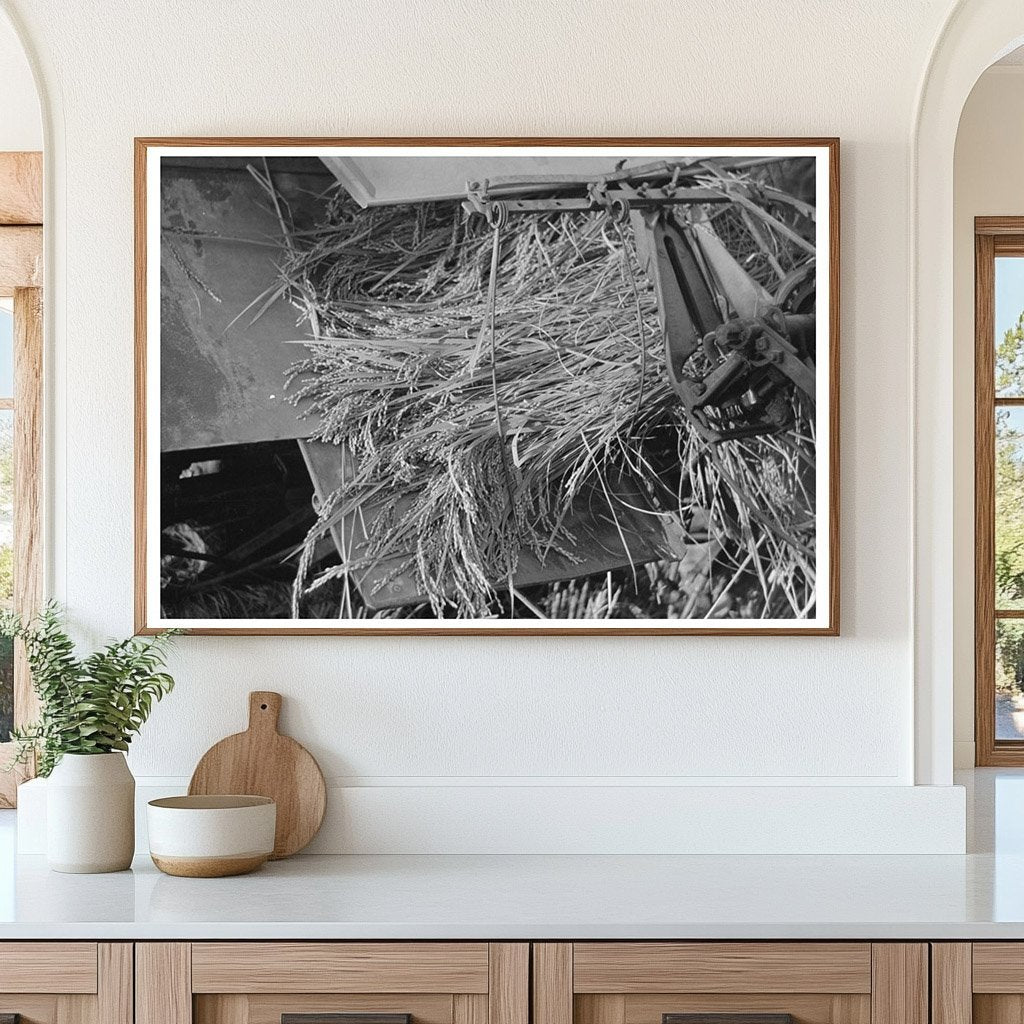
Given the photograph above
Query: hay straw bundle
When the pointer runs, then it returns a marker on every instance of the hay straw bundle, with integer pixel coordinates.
(473, 444)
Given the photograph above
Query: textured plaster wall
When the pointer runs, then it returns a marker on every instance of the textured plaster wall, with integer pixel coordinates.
(813, 711)
(21, 126)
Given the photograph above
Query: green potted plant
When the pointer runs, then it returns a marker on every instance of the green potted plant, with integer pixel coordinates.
(90, 708)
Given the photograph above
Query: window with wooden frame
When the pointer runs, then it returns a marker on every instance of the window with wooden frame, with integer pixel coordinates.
(21, 364)
(999, 490)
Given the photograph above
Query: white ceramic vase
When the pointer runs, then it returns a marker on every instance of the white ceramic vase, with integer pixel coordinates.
(90, 814)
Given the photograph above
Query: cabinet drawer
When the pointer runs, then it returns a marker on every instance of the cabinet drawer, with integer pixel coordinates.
(340, 967)
(333, 983)
(64, 967)
(730, 983)
(998, 968)
(747, 967)
(66, 982)
(981, 982)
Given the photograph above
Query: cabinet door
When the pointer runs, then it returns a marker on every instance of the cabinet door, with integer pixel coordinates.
(332, 983)
(980, 982)
(730, 983)
(65, 983)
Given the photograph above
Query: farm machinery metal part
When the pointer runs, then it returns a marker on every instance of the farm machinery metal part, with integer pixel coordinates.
(734, 353)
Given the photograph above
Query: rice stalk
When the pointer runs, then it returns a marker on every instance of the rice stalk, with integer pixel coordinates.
(472, 445)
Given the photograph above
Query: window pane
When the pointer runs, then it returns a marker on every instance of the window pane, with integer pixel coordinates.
(6, 566)
(1009, 525)
(1009, 679)
(6, 353)
(1009, 322)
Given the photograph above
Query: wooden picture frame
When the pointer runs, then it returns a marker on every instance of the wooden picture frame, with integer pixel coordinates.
(823, 617)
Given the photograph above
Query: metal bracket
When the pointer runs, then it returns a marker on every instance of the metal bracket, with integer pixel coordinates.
(480, 200)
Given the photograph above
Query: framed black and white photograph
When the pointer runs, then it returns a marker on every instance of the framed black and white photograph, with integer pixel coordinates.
(487, 385)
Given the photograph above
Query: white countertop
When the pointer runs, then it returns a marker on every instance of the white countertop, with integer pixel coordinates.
(496, 897)
(980, 895)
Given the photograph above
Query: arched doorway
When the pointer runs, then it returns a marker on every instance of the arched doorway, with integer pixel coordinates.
(976, 34)
(21, 251)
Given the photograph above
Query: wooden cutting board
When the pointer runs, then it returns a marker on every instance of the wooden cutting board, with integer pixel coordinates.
(262, 762)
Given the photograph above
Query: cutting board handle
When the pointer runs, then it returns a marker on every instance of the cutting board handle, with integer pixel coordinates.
(264, 710)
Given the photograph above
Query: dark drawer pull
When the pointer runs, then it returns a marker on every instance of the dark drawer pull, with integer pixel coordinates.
(727, 1018)
(340, 1018)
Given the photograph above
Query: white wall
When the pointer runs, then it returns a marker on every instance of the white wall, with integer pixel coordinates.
(988, 180)
(21, 126)
(440, 712)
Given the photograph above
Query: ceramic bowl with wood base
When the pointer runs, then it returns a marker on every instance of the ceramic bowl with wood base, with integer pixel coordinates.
(211, 836)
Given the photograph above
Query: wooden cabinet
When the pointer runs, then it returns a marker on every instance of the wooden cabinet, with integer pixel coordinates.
(512, 983)
(306, 982)
(978, 983)
(755, 982)
(66, 982)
